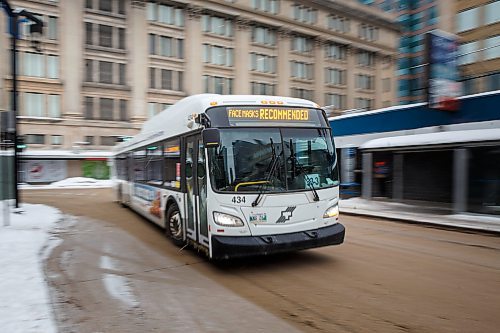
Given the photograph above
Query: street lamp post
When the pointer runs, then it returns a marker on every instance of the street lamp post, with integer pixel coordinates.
(35, 28)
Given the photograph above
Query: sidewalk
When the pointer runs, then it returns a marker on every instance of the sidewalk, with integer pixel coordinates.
(433, 215)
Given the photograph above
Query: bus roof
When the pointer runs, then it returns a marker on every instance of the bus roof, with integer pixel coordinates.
(175, 120)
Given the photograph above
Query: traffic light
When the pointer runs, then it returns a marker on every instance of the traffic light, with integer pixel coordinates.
(20, 144)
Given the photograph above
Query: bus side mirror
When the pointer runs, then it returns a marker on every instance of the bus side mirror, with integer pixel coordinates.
(211, 137)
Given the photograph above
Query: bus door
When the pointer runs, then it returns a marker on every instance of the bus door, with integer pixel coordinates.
(196, 188)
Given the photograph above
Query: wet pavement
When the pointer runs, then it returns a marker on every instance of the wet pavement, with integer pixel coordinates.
(115, 272)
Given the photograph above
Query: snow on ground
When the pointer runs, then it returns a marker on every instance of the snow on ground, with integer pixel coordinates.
(24, 244)
(75, 182)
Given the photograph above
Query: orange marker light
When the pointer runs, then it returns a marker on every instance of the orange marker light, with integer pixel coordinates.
(213, 103)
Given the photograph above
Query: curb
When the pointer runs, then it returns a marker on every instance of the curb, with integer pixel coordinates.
(437, 225)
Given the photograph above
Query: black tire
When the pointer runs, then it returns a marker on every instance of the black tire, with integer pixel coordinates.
(173, 225)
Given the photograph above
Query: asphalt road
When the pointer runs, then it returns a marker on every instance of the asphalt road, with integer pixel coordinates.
(115, 272)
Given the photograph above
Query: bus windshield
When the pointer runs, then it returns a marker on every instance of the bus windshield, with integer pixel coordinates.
(273, 160)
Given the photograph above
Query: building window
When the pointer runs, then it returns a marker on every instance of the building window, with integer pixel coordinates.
(33, 64)
(218, 55)
(105, 72)
(123, 110)
(468, 19)
(89, 107)
(302, 44)
(366, 58)
(262, 63)
(264, 36)
(367, 32)
(54, 106)
(89, 74)
(338, 23)
(259, 88)
(336, 51)
(217, 25)
(269, 6)
(304, 14)
(468, 53)
(218, 85)
(121, 74)
(121, 38)
(302, 93)
(365, 82)
(108, 72)
(34, 104)
(35, 139)
(166, 46)
(152, 78)
(105, 35)
(89, 29)
(492, 47)
(121, 7)
(336, 101)
(52, 28)
(302, 70)
(363, 103)
(165, 14)
(56, 140)
(52, 67)
(168, 79)
(492, 12)
(335, 76)
(106, 108)
(105, 5)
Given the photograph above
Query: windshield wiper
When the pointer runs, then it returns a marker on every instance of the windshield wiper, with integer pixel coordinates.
(272, 167)
(298, 166)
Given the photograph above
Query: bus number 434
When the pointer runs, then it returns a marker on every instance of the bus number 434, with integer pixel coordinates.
(238, 199)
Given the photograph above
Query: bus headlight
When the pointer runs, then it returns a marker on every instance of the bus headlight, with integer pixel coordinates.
(332, 212)
(227, 220)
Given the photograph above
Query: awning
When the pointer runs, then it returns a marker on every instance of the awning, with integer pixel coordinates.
(433, 140)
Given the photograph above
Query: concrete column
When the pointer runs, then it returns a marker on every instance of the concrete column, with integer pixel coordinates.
(460, 179)
(397, 174)
(193, 83)
(351, 66)
(242, 56)
(137, 67)
(72, 60)
(366, 186)
(319, 71)
(284, 47)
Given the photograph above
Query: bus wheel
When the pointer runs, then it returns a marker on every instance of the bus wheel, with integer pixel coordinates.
(173, 227)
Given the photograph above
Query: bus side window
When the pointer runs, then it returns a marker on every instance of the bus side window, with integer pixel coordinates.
(171, 163)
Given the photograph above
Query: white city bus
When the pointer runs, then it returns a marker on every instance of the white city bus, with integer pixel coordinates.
(235, 175)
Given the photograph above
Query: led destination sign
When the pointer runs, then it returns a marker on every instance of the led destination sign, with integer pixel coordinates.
(271, 116)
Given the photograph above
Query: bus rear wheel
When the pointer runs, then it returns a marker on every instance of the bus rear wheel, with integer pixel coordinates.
(173, 227)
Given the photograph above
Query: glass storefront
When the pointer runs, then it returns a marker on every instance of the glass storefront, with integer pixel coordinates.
(484, 180)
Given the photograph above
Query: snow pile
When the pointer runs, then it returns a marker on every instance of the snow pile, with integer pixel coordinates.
(75, 182)
(24, 244)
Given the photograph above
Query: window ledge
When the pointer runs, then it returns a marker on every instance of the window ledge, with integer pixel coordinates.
(45, 119)
(104, 13)
(105, 49)
(106, 86)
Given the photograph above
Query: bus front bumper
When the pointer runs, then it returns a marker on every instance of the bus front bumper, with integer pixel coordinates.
(227, 247)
